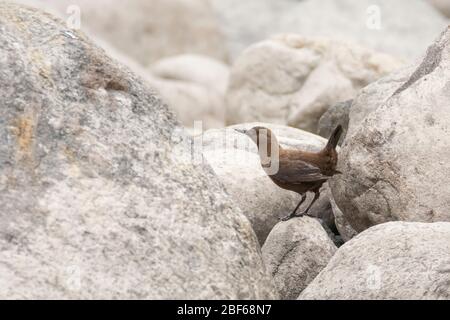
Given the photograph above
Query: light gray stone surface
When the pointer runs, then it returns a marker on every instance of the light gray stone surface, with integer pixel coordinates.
(295, 252)
(395, 163)
(203, 70)
(98, 196)
(395, 260)
(292, 79)
(375, 95)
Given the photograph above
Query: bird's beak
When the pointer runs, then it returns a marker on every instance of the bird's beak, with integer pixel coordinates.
(337, 172)
(243, 131)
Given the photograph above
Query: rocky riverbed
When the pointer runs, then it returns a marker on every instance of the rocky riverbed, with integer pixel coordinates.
(122, 175)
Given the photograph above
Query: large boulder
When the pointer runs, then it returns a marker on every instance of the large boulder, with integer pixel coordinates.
(395, 162)
(375, 94)
(381, 25)
(194, 86)
(291, 79)
(295, 252)
(395, 260)
(146, 30)
(98, 196)
(234, 159)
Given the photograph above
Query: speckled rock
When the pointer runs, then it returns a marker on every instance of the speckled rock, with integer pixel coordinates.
(295, 252)
(291, 79)
(395, 260)
(395, 162)
(98, 197)
(234, 159)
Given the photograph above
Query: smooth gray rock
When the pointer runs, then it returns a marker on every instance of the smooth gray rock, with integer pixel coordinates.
(295, 252)
(395, 260)
(334, 116)
(99, 197)
(234, 159)
(381, 25)
(395, 163)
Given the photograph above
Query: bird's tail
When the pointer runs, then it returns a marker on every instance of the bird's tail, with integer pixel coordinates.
(334, 138)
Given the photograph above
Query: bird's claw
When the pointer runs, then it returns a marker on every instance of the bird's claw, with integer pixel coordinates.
(286, 218)
(299, 215)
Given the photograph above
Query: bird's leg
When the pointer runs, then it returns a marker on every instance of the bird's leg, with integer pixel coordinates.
(316, 196)
(296, 208)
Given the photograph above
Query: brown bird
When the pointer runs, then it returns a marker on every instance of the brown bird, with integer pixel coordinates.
(299, 171)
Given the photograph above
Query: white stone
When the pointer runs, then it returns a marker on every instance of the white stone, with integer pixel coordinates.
(295, 252)
(395, 260)
(98, 197)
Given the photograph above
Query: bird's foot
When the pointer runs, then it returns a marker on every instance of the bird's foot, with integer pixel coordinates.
(288, 217)
(303, 214)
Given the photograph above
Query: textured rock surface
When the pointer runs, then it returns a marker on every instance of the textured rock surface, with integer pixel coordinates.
(147, 30)
(396, 161)
(194, 86)
(293, 80)
(97, 199)
(396, 260)
(234, 159)
(295, 252)
(375, 95)
(334, 116)
(402, 35)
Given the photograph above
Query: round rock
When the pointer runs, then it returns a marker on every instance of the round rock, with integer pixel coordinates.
(295, 252)
(395, 260)
(395, 162)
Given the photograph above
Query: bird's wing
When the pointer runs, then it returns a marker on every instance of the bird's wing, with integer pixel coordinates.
(297, 171)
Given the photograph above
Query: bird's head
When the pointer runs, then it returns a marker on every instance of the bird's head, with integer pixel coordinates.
(258, 134)
(267, 144)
